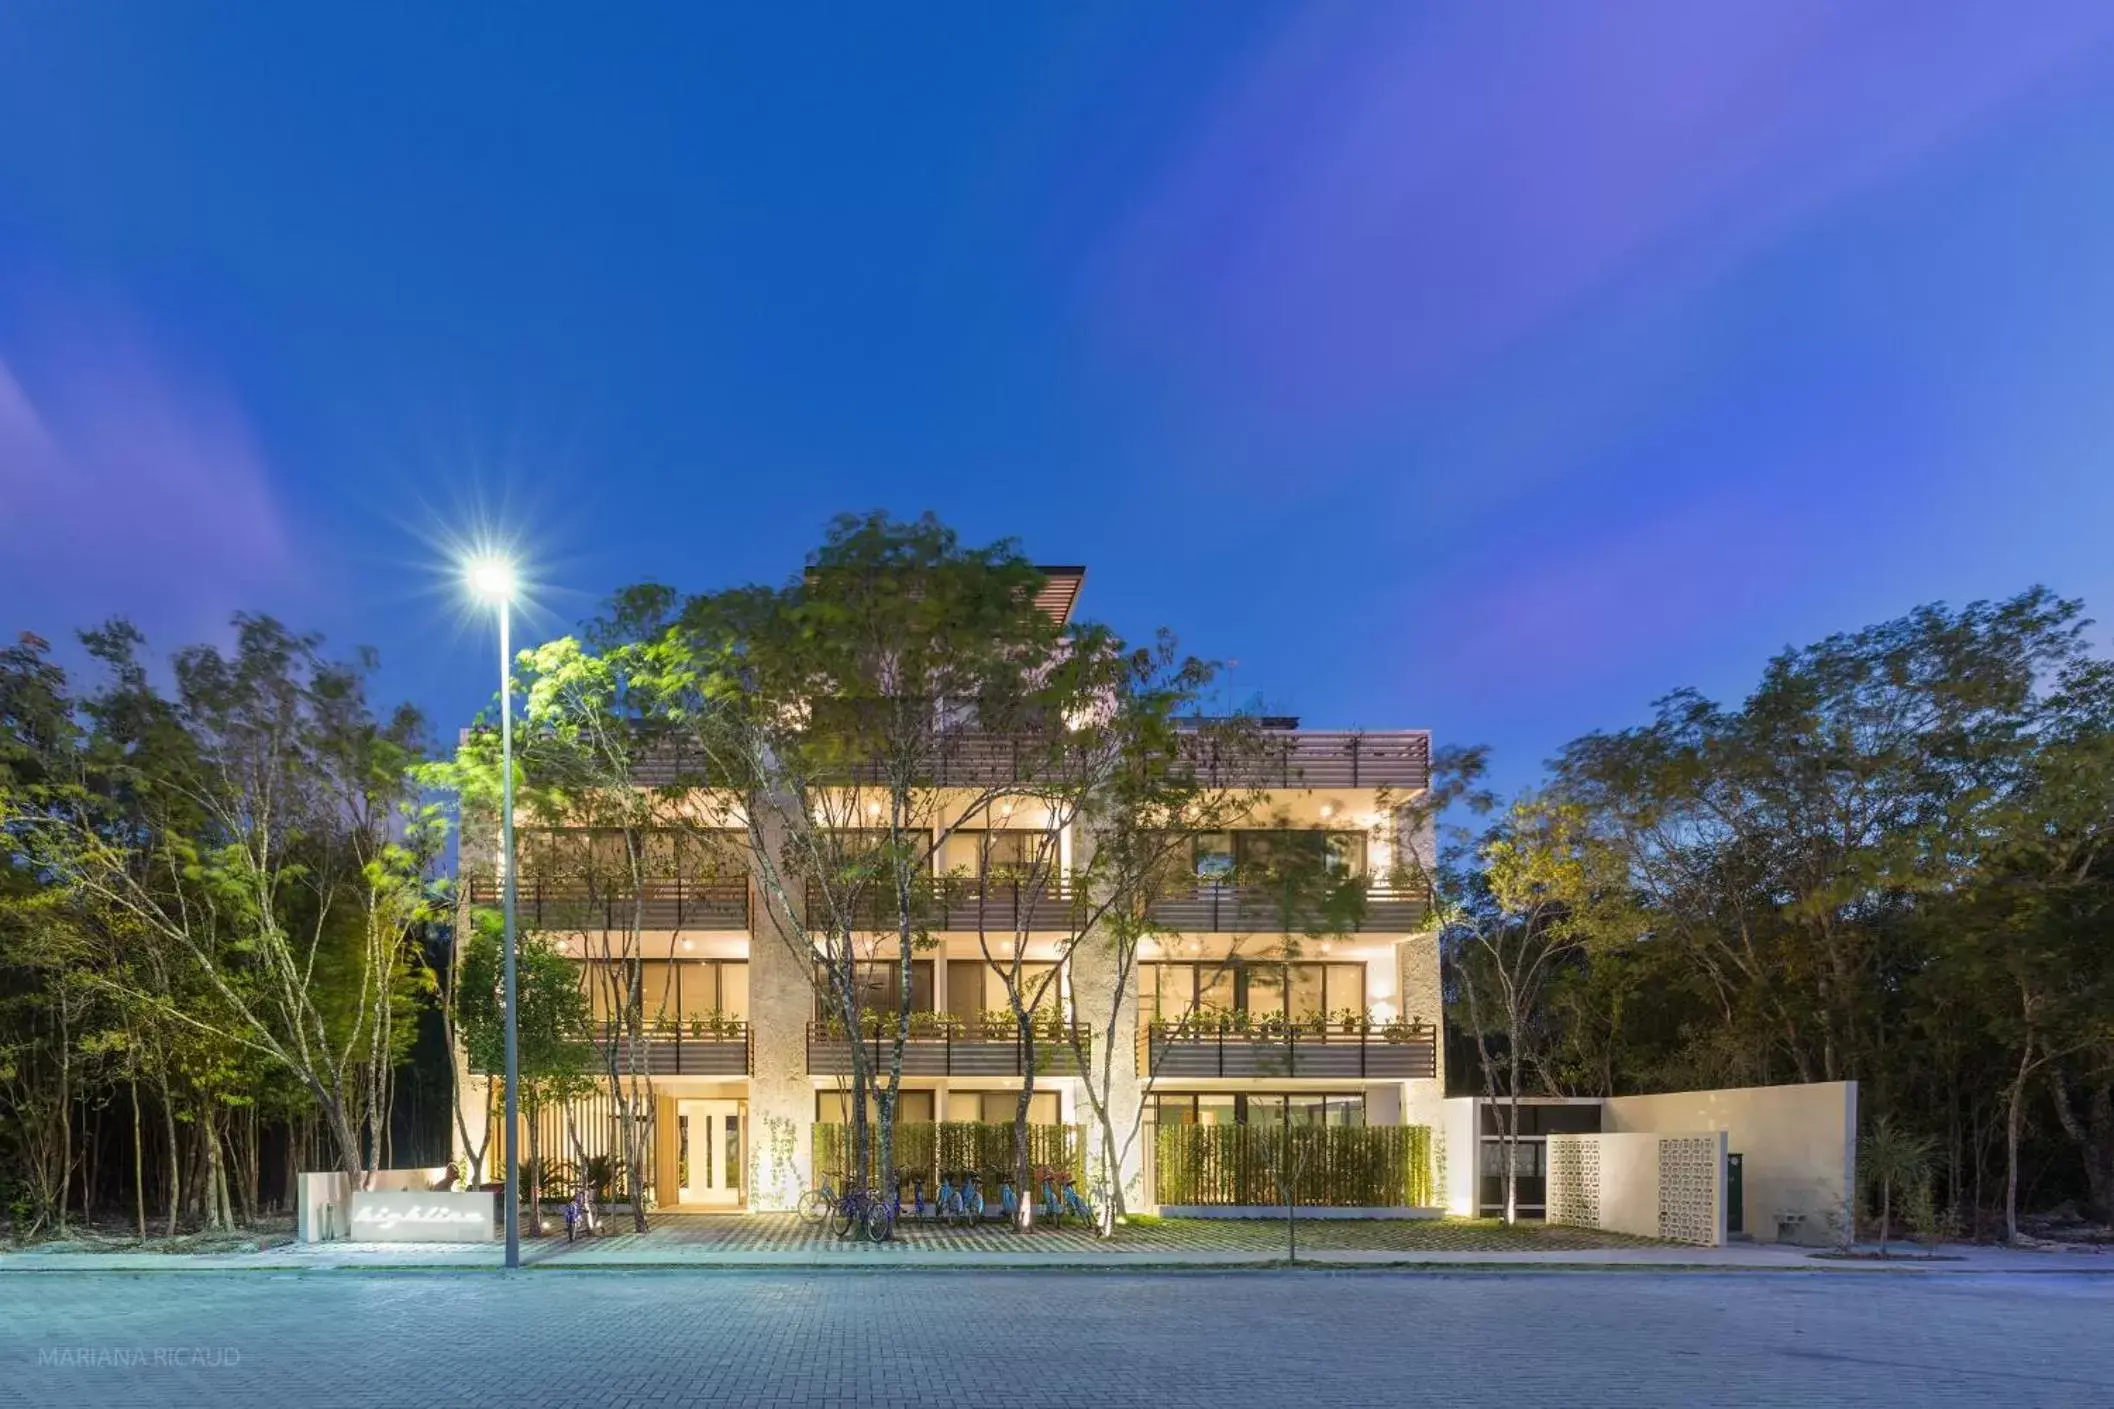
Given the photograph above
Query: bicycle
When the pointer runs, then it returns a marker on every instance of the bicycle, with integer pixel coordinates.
(816, 1205)
(580, 1215)
(860, 1211)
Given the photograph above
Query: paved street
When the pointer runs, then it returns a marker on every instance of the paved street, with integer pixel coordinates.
(1168, 1341)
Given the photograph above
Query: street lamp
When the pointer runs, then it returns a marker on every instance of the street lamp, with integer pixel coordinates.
(492, 580)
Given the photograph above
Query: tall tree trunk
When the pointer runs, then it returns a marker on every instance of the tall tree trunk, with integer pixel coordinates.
(139, 1167)
(209, 1145)
(1020, 1119)
(535, 1168)
(2014, 1124)
(2093, 1133)
(168, 1115)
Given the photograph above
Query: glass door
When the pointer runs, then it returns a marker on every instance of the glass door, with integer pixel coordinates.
(713, 1163)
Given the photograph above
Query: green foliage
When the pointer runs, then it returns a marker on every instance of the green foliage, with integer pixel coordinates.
(1888, 863)
(983, 1148)
(1893, 1163)
(1372, 1166)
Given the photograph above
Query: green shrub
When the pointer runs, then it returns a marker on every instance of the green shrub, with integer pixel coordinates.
(1371, 1166)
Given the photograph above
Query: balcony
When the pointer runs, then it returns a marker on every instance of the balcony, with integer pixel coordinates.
(1272, 758)
(668, 904)
(1381, 1052)
(719, 1049)
(1225, 909)
(948, 1047)
(966, 904)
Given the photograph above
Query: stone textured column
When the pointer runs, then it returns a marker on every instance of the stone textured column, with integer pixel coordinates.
(1094, 990)
(1420, 999)
(781, 1098)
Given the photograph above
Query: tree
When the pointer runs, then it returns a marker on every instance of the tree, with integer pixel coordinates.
(244, 863)
(1509, 930)
(857, 719)
(1889, 1159)
(578, 753)
(555, 1059)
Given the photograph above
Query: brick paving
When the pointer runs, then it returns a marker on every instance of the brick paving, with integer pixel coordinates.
(1043, 1341)
(784, 1233)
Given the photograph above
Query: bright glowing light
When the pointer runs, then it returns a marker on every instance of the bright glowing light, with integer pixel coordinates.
(491, 579)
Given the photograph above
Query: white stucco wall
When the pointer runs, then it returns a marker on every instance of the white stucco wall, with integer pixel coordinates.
(1648, 1184)
(1798, 1146)
(1455, 1154)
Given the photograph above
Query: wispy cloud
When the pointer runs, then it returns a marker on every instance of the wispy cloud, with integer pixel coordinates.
(1389, 196)
(127, 484)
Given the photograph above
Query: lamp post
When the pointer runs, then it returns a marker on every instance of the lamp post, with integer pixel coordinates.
(493, 580)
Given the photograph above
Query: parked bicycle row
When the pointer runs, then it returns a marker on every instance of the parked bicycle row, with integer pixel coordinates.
(958, 1199)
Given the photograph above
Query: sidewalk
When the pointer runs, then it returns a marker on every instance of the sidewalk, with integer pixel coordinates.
(634, 1253)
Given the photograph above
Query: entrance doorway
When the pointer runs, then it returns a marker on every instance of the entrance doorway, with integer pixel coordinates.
(709, 1143)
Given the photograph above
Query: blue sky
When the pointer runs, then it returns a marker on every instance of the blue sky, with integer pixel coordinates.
(1490, 368)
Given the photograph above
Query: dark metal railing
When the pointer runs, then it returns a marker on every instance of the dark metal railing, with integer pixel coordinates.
(671, 903)
(950, 1047)
(719, 1048)
(1387, 1051)
(1257, 910)
(1272, 759)
(959, 903)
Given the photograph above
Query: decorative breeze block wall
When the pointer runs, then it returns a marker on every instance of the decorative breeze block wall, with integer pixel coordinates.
(1574, 1181)
(1691, 1196)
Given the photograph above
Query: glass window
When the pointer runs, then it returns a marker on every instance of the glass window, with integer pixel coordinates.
(1345, 853)
(656, 991)
(965, 1106)
(1263, 1108)
(1043, 998)
(878, 989)
(1267, 1112)
(912, 1108)
(997, 1107)
(734, 991)
(1526, 1158)
(1214, 855)
(1217, 989)
(965, 991)
(1175, 1110)
(1346, 987)
(1265, 990)
(1308, 996)
(1149, 992)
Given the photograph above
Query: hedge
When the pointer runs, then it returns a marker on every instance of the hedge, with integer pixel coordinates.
(1369, 1166)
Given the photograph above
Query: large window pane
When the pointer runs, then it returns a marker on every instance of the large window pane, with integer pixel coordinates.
(1216, 989)
(1346, 988)
(1216, 1109)
(1309, 994)
(734, 991)
(965, 992)
(1266, 990)
(1213, 852)
(1267, 1112)
(1345, 853)
(656, 991)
